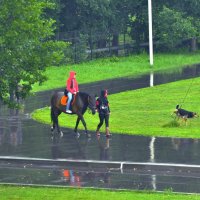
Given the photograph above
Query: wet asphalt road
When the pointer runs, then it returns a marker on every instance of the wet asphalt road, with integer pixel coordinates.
(30, 155)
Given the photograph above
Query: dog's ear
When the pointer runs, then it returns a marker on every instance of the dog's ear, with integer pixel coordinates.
(177, 106)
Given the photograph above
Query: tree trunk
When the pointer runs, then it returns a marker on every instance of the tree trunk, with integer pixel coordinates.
(193, 44)
(12, 96)
(101, 43)
(115, 43)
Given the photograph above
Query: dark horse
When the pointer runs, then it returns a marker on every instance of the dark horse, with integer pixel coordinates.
(81, 102)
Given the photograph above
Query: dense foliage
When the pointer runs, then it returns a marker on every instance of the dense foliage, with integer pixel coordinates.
(26, 46)
(174, 22)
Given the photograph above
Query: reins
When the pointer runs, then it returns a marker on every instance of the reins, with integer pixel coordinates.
(89, 110)
(175, 117)
(187, 93)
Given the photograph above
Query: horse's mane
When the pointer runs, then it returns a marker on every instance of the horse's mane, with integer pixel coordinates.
(83, 94)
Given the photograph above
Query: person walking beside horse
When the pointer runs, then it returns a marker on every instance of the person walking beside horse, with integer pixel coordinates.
(71, 89)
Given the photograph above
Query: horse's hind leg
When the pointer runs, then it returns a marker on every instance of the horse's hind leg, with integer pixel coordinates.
(55, 115)
(53, 119)
(53, 127)
(57, 124)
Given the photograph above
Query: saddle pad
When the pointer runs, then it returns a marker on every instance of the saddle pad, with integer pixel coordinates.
(63, 100)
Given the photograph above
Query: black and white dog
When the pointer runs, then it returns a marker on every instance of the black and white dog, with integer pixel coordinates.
(184, 114)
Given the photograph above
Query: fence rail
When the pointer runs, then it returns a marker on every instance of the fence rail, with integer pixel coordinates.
(89, 46)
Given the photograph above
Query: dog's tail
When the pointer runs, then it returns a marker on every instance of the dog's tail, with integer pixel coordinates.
(177, 106)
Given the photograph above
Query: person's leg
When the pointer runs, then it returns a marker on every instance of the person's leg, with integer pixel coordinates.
(107, 125)
(101, 118)
(65, 92)
(69, 101)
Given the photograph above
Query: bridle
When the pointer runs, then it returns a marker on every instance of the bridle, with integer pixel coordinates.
(90, 105)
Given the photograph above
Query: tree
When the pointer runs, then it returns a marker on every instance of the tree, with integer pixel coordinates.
(101, 21)
(26, 46)
(189, 10)
(173, 26)
(138, 17)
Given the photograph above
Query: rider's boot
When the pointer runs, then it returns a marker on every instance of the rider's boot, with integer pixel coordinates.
(67, 109)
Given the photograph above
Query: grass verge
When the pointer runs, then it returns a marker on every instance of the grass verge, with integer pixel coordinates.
(19, 192)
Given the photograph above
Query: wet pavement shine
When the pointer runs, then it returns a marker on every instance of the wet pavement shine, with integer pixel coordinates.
(31, 155)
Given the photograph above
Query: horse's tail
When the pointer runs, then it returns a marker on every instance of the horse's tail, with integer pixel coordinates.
(53, 117)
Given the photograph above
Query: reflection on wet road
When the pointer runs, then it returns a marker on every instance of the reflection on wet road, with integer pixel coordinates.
(27, 138)
(21, 137)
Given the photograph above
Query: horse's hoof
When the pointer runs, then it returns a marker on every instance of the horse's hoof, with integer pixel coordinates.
(61, 134)
(52, 128)
(77, 135)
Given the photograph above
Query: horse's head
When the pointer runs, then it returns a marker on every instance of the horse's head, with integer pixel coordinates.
(92, 104)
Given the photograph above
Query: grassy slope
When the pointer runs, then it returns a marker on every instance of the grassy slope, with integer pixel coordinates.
(30, 193)
(144, 111)
(102, 69)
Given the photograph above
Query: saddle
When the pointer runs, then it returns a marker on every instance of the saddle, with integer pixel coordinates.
(64, 100)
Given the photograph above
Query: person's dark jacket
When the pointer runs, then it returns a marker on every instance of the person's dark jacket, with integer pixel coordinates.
(102, 103)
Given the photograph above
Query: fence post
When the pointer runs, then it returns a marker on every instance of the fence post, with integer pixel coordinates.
(91, 46)
(75, 47)
(124, 43)
(109, 44)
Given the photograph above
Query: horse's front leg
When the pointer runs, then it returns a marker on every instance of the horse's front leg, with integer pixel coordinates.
(84, 124)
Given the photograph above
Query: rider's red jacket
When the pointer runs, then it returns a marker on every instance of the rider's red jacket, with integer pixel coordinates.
(72, 84)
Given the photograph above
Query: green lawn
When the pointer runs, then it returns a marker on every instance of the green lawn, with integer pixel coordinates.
(144, 111)
(109, 68)
(35, 193)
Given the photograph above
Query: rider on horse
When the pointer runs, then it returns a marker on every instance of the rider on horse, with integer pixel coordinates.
(72, 89)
